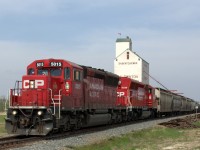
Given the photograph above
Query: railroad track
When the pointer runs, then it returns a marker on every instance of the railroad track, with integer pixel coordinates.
(20, 141)
(16, 141)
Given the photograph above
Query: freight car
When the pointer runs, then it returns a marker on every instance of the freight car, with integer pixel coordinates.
(170, 103)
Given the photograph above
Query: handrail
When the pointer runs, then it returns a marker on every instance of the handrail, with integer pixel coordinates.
(59, 99)
(55, 101)
(9, 97)
(54, 105)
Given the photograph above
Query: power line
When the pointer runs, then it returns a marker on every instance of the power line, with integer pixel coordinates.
(156, 80)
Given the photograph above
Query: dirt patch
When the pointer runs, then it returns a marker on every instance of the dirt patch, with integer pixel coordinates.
(190, 141)
(192, 136)
(183, 146)
(183, 123)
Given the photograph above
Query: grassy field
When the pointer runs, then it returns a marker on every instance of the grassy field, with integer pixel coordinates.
(2, 120)
(156, 138)
(2, 124)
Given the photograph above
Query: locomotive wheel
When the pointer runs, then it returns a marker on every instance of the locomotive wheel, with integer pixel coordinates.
(130, 115)
(67, 126)
(78, 124)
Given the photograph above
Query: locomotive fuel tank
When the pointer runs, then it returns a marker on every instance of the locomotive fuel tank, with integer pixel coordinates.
(98, 119)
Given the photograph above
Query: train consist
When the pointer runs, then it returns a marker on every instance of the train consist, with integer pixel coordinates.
(58, 95)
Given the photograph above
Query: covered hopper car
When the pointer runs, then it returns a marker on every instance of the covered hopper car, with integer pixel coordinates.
(171, 103)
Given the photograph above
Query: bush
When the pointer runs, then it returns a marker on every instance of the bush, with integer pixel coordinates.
(3, 101)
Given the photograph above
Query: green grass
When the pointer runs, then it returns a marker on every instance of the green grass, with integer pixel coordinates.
(2, 124)
(144, 139)
(2, 118)
(197, 123)
(2, 128)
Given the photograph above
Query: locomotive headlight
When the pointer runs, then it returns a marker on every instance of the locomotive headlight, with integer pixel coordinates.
(39, 113)
(67, 86)
(14, 112)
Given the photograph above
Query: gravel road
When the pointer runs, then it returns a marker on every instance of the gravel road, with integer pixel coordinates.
(90, 138)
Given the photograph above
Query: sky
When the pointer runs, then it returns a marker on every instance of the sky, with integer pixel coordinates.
(164, 33)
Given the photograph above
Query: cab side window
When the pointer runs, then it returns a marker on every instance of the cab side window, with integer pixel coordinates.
(77, 75)
(31, 71)
(67, 73)
(150, 91)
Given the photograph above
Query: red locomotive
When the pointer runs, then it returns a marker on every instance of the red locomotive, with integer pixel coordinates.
(58, 95)
(137, 97)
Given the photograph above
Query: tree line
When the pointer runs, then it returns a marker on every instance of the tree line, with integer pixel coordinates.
(3, 104)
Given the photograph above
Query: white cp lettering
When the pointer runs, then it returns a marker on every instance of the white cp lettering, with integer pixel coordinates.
(26, 83)
(120, 94)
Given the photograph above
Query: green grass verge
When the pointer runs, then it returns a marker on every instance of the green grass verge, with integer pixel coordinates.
(2, 124)
(2, 118)
(2, 128)
(197, 123)
(144, 139)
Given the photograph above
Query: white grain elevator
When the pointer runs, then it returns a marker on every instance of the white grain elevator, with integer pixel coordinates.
(129, 64)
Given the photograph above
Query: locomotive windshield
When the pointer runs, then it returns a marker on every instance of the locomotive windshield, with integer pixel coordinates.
(53, 72)
(42, 72)
(31, 71)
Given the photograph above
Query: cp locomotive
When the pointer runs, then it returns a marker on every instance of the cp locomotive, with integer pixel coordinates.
(59, 95)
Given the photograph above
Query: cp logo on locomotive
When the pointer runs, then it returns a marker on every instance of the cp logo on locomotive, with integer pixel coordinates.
(120, 94)
(37, 83)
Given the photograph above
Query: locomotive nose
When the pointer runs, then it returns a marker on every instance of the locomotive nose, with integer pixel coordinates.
(35, 91)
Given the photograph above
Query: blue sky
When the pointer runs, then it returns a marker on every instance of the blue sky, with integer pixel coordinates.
(165, 33)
